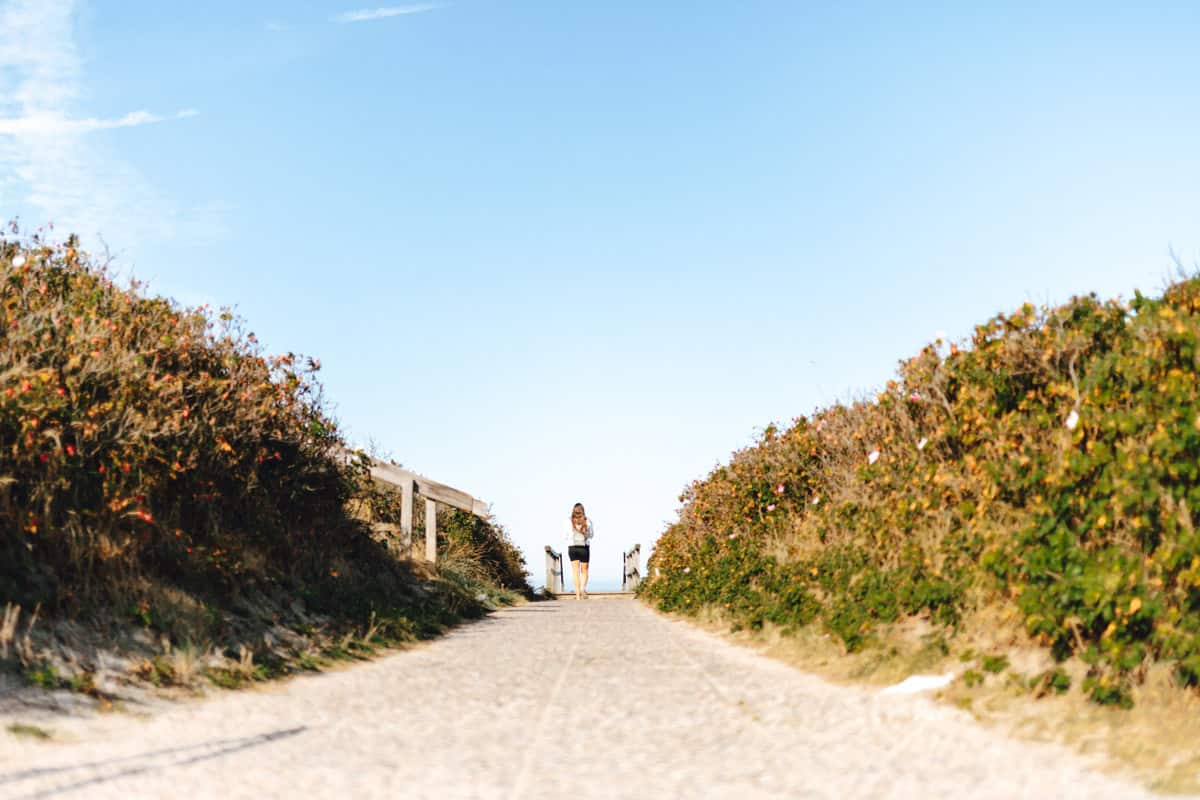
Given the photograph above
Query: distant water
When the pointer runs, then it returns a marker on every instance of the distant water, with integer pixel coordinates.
(594, 584)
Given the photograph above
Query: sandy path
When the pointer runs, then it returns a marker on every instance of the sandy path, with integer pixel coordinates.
(601, 698)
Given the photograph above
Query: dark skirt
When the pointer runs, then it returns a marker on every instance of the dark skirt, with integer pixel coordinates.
(579, 552)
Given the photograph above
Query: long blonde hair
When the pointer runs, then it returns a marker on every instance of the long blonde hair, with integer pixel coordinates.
(579, 520)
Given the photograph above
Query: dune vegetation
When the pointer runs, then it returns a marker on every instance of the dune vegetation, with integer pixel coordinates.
(160, 473)
(1044, 472)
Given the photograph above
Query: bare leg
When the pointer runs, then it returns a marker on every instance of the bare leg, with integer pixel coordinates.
(583, 571)
(575, 565)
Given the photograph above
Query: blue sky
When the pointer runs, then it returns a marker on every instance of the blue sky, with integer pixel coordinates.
(554, 251)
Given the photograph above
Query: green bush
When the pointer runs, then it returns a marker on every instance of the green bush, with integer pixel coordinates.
(1048, 467)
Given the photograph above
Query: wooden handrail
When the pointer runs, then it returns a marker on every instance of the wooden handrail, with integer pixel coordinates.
(410, 483)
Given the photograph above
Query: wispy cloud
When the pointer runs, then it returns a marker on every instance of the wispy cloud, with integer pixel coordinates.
(369, 14)
(50, 168)
(43, 124)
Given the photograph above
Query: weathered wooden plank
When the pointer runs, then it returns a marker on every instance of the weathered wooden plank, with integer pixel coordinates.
(390, 474)
(430, 530)
(445, 494)
(481, 509)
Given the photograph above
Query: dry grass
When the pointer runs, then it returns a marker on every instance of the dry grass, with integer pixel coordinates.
(8, 627)
(186, 663)
(1155, 741)
(20, 645)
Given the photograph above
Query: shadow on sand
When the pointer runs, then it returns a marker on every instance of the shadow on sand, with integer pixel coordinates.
(76, 777)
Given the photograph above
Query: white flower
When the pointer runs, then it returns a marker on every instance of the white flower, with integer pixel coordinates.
(873, 456)
(686, 570)
(19, 261)
(816, 501)
(733, 536)
(921, 444)
(1072, 420)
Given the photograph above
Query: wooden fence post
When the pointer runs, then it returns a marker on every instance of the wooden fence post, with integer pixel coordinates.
(430, 530)
(554, 571)
(406, 517)
(631, 575)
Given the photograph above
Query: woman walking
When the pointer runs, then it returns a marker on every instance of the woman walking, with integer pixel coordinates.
(579, 549)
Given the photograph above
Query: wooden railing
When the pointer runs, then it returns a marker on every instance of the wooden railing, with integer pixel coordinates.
(410, 484)
(554, 571)
(631, 571)
(631, 575)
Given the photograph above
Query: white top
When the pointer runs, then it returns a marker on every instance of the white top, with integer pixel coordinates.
(576, 538)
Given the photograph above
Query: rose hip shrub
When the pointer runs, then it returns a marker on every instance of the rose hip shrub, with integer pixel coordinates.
(141, 436)
(1049, 466)
(146, 445)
